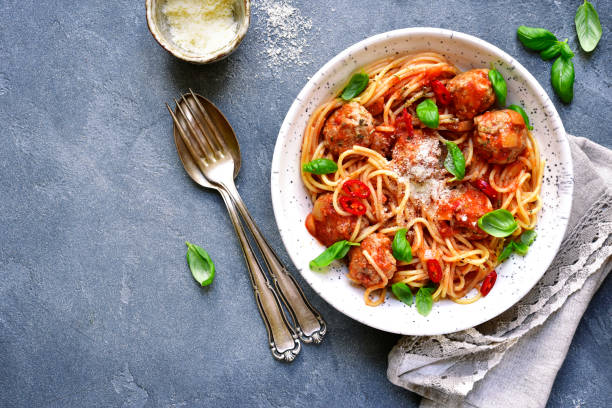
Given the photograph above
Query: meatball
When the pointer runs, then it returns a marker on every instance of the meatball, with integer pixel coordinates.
(471, 93)
(418, 157)
(379, 247)
(383, 143)
(500, 136)
(462, 212)
(326, 225)
(349, 125)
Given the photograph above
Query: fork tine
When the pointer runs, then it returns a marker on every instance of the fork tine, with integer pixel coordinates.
(216, 147)
(209, 122)
(194, 154)
(208, 151)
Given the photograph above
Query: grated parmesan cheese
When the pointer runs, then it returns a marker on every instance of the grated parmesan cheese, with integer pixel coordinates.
(201, 26)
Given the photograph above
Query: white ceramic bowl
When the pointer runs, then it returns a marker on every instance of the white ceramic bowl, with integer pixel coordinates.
(516, 276)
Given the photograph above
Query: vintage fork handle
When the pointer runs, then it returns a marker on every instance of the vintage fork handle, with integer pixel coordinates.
(308, 321)
(284, 342)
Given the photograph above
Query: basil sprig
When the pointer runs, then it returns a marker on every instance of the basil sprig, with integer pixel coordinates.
(402, 292)
(356, 86)
(520, 110)
(202, 267)
(337, 251)
(498, 223)
(424, 300)
(499, 86)
(588, 26)
(537, 39)
(320, 166)
(427, 112)
(559, 47)
(402, 251)
(562, 78)
(455, 161)
(520, 247)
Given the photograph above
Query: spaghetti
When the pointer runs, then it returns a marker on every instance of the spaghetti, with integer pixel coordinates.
(371, 139)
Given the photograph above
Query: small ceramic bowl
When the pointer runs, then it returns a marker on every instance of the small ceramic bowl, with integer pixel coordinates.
(161, 32)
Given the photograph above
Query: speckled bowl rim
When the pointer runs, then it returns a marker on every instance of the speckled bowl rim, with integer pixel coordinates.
(184, 55)
(565, 196)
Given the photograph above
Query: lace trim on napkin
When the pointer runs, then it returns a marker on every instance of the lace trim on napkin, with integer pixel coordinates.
(448, 366)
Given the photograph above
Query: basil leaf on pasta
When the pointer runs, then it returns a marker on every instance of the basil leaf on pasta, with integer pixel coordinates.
(588, 26)
(427, 112)
(402, 251)
(201, 266)
(356, 86)
(520, 248)
(424, 300)
(506, 252)
(520, 110)
(534, 38)
(498, 223)
(320, 166)
(562, 78)
(528, 237)
(338, 250)
(402, 292)
(499, 86)
(455, 161)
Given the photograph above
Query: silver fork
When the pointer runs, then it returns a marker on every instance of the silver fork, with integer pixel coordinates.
(214, 150)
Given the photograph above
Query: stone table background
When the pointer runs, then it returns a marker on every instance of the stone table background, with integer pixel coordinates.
(97, 305)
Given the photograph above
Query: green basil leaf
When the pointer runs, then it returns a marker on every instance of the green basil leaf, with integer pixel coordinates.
(520, 110)
(499, 86)
(402, 292)
(402, 251)
(357, 84)
(588, 26)
(498, 223)
(202, 267)
(551, 52)
(455, 161)
(427, 112)
(528, 237)
(566, 51)
(424, 300)
(536, 39)
(320, 166)
(337, 251)
(520, 248)
(506, 252)
(562, 78)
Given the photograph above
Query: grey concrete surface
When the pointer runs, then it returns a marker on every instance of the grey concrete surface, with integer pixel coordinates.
(97, 305)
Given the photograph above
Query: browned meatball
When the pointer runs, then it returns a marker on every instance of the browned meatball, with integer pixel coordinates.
(500, 136)
(326, 225)
(462, 212)
(419, 156)
(471, 93)
(383, 143)
(379, 247)
(349, 125)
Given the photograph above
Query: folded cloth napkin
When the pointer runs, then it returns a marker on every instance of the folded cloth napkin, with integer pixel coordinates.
(471, 368)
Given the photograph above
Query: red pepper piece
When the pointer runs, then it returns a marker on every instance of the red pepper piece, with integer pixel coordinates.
(356, 189)
(352, 205)
(443, 96)
(485, 187)
(487, 283)
(434, 270)
(406, 119)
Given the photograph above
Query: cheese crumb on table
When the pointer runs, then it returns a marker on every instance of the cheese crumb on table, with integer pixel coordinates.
(201, 26)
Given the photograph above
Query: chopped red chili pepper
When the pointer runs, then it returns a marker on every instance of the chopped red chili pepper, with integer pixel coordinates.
(485, 187)
(406, 119)
(352, 205)
(488, 283)
(434, 270)
(443, 96)
(356, 189)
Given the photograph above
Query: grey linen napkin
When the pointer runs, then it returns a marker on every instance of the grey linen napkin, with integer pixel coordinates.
(471, 368)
